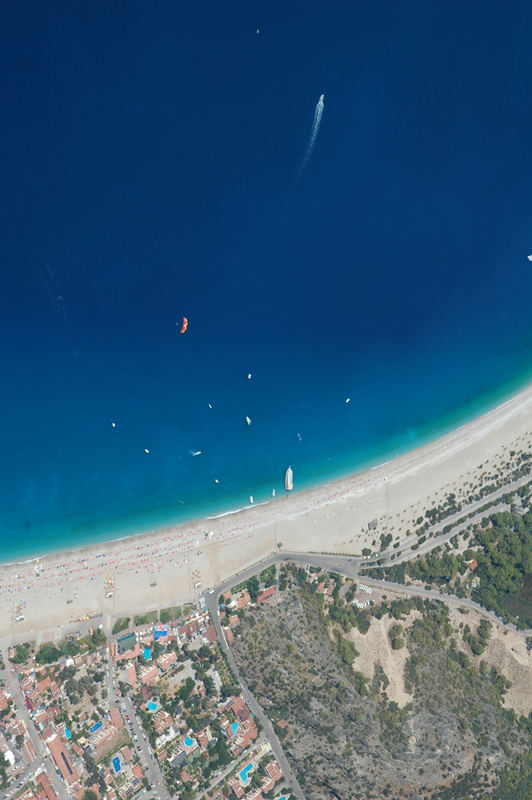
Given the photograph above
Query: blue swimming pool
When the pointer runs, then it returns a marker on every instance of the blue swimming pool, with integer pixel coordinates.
(96, 726)
(68, 734)
(234, 727)
(152, 706)
(116, 764)
(188, 741)
(244, 773)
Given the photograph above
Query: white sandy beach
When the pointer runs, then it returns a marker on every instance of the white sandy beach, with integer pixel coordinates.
(173, 565)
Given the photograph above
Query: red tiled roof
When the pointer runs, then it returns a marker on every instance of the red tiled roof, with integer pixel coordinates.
(150, 675)
(237, 789)
(162, 721)
(127, 754)
(273, 771)
(116, 719)
(265, 594)
(131, 675)
(44, 684)
(62, 760)
(44, 781)
(167, 660)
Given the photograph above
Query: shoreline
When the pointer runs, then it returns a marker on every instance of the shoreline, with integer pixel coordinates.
(176, 563)
(132, 531)
(144, 521)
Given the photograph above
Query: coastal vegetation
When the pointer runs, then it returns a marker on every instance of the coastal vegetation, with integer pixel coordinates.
(170, 614)
(121, 624)
(495, 570)
(22, 653)
(49, 653)
(146, 619)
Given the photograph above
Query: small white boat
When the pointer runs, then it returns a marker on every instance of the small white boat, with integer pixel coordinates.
(273, 492)
(347, 399)
(249, 376)
(196, 453)
(248, 420)
(146, 450)
(529, 258)
(209, 405)
(251, 499)
(289, 479)
(113, 424)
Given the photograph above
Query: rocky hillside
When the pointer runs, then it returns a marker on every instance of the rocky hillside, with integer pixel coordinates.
(347, 739)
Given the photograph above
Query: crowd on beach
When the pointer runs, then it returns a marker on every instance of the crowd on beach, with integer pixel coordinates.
(85, 578)
(150, 553)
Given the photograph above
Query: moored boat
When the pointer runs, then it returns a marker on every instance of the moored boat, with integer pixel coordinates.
(289, 479)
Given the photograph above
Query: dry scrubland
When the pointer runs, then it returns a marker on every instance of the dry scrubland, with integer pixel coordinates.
(402, 710)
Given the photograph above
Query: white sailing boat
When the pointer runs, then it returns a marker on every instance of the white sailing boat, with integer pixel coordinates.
(289, 479)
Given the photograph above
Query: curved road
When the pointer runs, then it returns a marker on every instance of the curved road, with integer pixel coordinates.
(277, 750)
(348, 567)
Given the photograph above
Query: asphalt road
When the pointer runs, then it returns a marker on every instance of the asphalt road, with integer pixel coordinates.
(348, 567)
(344, 565)
(260, 716)
(150, 766)
(12, 685)
(437, 538)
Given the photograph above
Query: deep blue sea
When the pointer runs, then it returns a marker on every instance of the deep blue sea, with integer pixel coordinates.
(150, 159)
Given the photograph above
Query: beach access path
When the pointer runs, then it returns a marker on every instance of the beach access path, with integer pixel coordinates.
(435, 532)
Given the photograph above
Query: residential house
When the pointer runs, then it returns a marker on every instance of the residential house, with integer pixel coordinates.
(266, 594)
(149, 675)
(62, 759)
(167, 660)
(273, 771)
(131, 675)
(237, 789)
(244, 600)
(43, 780)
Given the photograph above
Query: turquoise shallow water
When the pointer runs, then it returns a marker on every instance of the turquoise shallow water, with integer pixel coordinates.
(161, 183)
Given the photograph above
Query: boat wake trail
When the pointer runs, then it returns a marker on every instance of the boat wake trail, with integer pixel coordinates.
(318, 113)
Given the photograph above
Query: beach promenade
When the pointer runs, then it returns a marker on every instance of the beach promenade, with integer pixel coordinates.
(166, 567)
